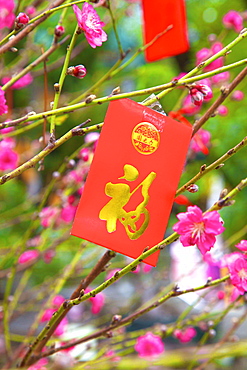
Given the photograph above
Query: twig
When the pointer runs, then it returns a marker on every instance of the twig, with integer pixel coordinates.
(141, 92)
(227, 200)
(35, 348)
(224, 94)
(58, 87)
(224, 339)
(40, 59)
(122, 54)
(32, 24)
(129, 319)
(77, 131)
(205, 169)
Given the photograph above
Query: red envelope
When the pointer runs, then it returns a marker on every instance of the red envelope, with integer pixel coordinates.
(130, 188)
(157, 16)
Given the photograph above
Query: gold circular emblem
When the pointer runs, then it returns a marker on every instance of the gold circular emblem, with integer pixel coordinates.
(145, 138)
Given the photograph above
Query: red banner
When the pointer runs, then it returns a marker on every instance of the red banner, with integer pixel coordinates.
(157, 16)
(133, 178)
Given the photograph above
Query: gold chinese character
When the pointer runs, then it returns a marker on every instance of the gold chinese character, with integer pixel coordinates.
(121, 193)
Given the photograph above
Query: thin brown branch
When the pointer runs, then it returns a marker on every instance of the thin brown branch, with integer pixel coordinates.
(129, 319)
(33, 353)
(23, 33)
(41, 58)
(51, 146)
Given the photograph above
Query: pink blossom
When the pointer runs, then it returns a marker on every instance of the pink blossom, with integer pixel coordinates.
(205, 90)
(24, 81)
(7, 15)
(68, 213)
(235, 294)
(78, 71)
(7, 142)
(200, 142)
(238, 274)
(237, 95)
(31, 10)
(233, 20)
(8, 158)
(71, 199)
(40, 365)
(3, 106)
(47, 315)
(205, 54)
(196, 97)
(220, 78)
(48, 256)
(228, 259)
(242, 245)
(21, 20)
(91, 137)
(197, 228)
(91, 25)
(6, 130)
(59, 31)
(74, 177)
(202, 55)
(57, 301)
(28, 256)
(221, 294)
(146, 268)
(35, 241)
(80, 190)
(112, 355)
(62, 327)
(97, 303)
(185, 335)
(222, 110)
(48, 215)
(84, 154)
(149, 346)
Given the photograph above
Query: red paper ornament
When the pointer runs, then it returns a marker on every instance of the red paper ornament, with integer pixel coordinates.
(157, 16)
(133, 178)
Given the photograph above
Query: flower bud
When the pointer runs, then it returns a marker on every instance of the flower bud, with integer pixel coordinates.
(77, 71)
(237, 95)
(84, 154)
(192, 188)
(71, 163)
(205, 90)
(222, 110)
(21, 20)
(59, 31)
(196, 97)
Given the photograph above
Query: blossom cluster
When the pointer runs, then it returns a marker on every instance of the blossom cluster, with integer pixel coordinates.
(202, 92)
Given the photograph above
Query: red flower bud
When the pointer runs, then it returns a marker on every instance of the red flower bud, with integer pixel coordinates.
(192, 188)
(196, 96)
(77, 71)
(59, 31)
(21, 20)
(205, 90)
